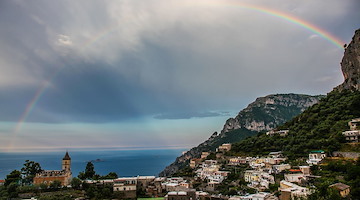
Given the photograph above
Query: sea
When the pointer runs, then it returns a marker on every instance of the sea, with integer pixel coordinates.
(125, 163)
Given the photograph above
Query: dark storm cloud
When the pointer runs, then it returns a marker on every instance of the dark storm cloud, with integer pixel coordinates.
(120, 60)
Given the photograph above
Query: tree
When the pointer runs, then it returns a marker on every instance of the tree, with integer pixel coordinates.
(76, 183)
(43, 186)
(13, 177)
(111, 175)
(89, 172)
(29, 171)
(55, 184)
(81, 176)
(12, 190)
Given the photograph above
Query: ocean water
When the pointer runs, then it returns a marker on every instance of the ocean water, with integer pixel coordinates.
(123, 162)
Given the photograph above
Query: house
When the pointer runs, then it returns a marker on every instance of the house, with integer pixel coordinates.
(277, 154)
(204, 154)
(2, 182)
(181, 195)
(125, 187)
(315, 157)
(258, 179)
(144, 181)
(101, 182)
(211, 186)
(343, 189)
(282, 133)
(294, 178)
(175, 184)
(305, 170)
(279, 168)
(354, 124)
(48, 176)
(195, 162)
(354, 134)
(257, 196)
(237, 161)
(224, 147)
(292, 191)
(125, 184)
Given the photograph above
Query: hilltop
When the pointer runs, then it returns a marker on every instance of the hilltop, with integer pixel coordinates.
(264, 114)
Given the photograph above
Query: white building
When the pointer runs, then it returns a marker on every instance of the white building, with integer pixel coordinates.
(354, 134)
(282, 167)
(294, 178)
(258, 179)
(315, 157)
(257, 196)
(125, 184)
(293, 191)
(282, 133)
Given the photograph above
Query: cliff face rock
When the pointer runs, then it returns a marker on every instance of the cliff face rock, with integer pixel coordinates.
(265, 113)
(350, 65)
(270, 111)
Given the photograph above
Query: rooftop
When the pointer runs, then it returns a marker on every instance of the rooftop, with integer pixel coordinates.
(67, 157)
(317, 151)
(339, 186)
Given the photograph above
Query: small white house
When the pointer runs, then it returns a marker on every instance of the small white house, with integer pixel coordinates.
(315, 157)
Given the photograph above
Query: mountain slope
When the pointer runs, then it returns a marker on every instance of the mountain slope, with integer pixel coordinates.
(264, 113)
(320, 126)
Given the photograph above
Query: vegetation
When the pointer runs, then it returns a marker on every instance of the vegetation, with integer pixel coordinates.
(334, 172)
(319, 127)
(19, 183)
(29, 171)
(185, 172)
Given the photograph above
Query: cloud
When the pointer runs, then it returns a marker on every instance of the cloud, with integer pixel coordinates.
(313, 36)
(64, 40)
(115, 60)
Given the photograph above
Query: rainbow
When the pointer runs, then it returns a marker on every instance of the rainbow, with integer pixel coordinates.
(271, 12)
(287, 17)
(29, 107)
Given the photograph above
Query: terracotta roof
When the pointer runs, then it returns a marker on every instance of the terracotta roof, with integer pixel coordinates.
(294, 170)
(2, 181)
(67, 157)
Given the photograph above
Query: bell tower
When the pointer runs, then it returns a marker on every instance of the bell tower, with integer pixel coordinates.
(66, 162)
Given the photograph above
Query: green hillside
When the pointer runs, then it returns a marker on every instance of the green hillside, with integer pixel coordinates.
(318, 127)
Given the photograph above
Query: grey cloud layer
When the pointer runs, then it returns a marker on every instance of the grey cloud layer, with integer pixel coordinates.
(116, 60)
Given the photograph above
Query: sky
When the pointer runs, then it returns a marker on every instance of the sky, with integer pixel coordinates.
(157, 73)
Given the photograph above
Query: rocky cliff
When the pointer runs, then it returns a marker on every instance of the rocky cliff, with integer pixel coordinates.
(265, 113)
(350, 65)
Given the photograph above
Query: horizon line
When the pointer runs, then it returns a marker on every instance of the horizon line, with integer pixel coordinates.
(92, 148)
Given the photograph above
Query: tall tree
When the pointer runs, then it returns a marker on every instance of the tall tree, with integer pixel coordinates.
(89, 170)
(29, 171)
(13, 177)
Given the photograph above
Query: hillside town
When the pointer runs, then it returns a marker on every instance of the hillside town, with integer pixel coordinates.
(268, 177)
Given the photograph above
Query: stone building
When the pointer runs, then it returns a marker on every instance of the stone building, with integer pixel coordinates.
(343, 189)
(48, 176)
(224, 147)
(354, 133)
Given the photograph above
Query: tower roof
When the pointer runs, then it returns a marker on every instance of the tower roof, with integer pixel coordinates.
(67, 157)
